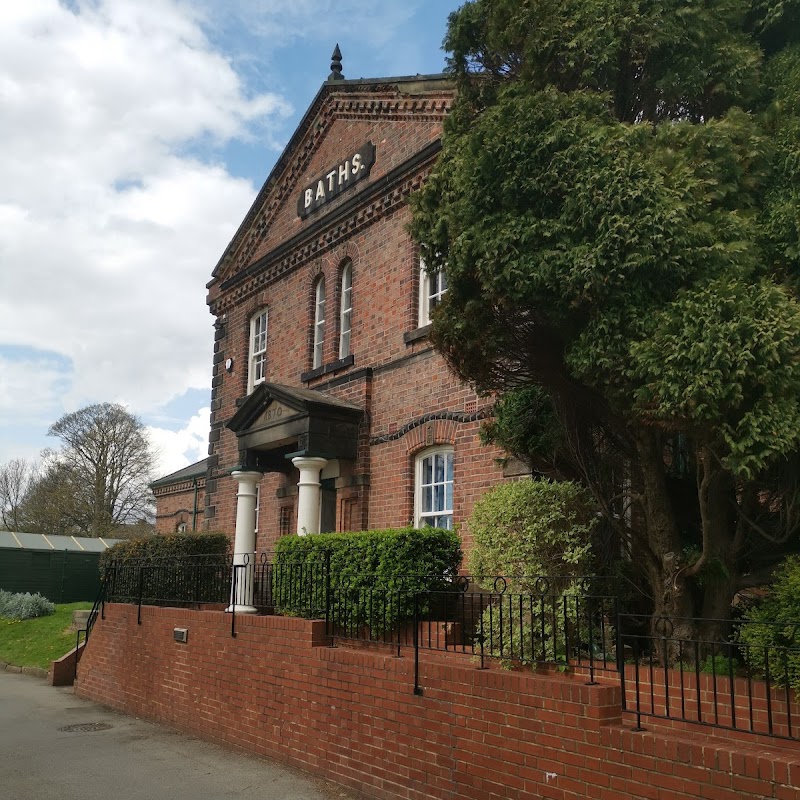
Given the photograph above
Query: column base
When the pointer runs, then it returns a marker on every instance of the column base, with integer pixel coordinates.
(241, 609)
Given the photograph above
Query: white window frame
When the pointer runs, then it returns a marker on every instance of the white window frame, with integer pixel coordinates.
(258, 505)
(434, 516)
(346, 310)
(432, 287)
(182, 527)
(257, 359)
(319, 323)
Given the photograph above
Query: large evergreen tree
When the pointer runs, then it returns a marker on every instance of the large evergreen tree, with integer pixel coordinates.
(617, 206)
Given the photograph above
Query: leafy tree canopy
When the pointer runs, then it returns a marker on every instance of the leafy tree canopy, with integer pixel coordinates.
(617, 206)
(98, 479)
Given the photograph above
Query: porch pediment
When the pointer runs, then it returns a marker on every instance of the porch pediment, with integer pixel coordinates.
(286, 420)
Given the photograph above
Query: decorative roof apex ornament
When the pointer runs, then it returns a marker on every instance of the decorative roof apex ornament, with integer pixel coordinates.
(336, 65)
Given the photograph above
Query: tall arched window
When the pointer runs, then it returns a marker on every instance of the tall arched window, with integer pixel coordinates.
(346, 310)
(257, 366)
(433, 491)
(319, 323)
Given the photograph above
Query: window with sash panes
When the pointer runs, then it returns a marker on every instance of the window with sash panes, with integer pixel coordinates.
(434, 488)
(346, 311)
(257, 365)
(319, 323)
(432, 287)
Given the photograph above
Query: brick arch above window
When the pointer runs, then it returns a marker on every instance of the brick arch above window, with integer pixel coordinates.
(431, 434)
(443, 431)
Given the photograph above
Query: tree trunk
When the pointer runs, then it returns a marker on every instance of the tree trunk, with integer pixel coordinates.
(671, 595)
(718, 562)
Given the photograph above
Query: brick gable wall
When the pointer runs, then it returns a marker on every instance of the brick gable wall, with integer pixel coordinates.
(409, 398)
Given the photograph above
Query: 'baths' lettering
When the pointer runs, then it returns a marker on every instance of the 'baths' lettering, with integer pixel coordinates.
(344, 175)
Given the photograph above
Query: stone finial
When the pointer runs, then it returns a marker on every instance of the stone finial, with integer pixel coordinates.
(336, 65)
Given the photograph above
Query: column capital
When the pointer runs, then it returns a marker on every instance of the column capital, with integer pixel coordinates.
(309, 462)
(246, 475)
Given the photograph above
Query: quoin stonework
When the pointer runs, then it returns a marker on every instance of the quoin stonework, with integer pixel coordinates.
(330, 410)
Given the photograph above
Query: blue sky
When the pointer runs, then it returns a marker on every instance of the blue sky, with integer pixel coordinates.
(136, 134)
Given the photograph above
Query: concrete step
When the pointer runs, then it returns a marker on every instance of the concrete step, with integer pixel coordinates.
(80, 618)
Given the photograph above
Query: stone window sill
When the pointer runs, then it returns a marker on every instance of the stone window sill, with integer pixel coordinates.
(334, 366)
(414, 336)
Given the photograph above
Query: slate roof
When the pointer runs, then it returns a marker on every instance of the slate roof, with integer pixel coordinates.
(16, 540)
(197, 470)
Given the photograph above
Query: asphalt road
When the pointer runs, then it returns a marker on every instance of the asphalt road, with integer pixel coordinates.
(111, 756)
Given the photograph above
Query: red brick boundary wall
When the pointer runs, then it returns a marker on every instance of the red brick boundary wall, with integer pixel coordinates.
(277, 689)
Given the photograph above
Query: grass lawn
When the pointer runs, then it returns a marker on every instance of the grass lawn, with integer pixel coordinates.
(37, 642)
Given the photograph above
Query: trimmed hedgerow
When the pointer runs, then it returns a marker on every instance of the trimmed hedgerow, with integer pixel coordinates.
(18, 605)
(394, 558)
(173, 545)
(373, 574)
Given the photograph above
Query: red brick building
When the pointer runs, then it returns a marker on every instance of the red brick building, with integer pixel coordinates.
(329, 409)
(180, 499)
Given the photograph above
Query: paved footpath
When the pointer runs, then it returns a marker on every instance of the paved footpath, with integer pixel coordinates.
(110, 756)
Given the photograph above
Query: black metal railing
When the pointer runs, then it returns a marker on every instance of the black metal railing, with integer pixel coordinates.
(242, 581)
(98, 609)
(712, 673)
(485, 618)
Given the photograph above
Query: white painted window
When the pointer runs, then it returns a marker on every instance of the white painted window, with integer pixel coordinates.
(319, 323)
(258, 504)
(432, 287)
(346, 311)
(257, 366)
(433, 495)
(182, 528)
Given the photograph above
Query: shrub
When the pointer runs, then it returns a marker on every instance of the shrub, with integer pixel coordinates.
(524, 530)
(530, 528)
(24, 606)
(373, 574)
(770, 635)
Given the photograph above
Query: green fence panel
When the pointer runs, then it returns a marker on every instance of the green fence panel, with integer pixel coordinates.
(61, 576)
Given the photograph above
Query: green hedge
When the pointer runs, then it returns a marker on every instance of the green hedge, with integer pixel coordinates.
(394, 558)
(373, 574)
(172, 545)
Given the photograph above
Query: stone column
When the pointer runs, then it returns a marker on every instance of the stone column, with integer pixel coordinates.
(244, 544)
(308, 488)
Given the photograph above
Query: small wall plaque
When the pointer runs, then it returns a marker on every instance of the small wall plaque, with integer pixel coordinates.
(181, 635)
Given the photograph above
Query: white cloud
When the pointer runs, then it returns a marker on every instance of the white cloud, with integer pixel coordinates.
(177, 449)
(109, 228)
(21, 402)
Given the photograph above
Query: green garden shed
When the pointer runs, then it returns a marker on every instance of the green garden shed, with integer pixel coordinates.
(64, 569)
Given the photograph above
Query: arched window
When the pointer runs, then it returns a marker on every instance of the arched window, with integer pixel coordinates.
(346, 310)
(432, 287)
(319, 323)
(433, 491)
(257, 363)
